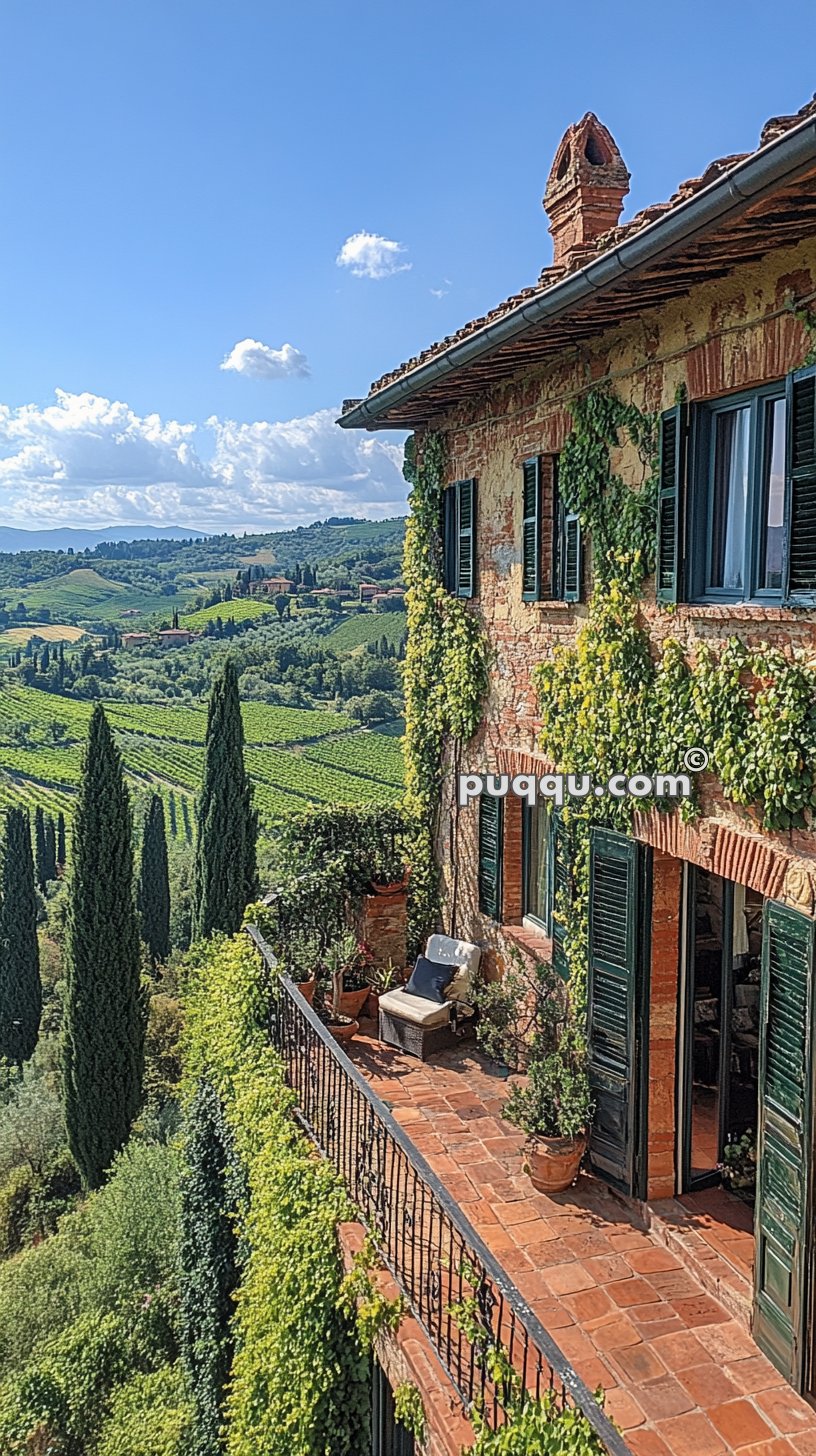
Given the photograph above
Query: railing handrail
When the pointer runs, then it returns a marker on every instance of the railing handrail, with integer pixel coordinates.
(541, 1338)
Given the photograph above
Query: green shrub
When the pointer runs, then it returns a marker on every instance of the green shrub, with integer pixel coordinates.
(120, 1244)
(149, 1416)
(15, 1197)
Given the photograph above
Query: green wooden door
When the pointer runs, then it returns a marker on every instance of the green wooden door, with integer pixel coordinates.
(617, 997)
(783, 1205)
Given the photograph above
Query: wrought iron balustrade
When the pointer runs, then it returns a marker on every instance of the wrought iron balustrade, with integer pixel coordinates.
(486, 1335)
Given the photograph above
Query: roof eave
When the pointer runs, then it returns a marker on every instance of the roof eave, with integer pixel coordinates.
(773, 165)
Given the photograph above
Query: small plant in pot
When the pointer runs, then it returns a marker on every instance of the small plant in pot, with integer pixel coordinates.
(328, 1007)
(351, 960)
(301, 963)
(380, 979)
(388, 872)
(554, 1108)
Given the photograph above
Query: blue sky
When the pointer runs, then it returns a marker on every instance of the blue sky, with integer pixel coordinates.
(180, 177)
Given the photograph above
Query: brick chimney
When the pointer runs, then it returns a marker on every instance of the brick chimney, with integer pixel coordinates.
(585, 190)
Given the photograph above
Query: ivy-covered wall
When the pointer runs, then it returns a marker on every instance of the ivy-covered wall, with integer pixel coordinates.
(719, 338)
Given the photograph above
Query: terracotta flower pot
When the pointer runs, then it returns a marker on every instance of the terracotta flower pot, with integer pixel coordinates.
(352, 1002)
(343, 1030)
(307, 989)
(373, 1005)
(552, 1163)
(393, 888)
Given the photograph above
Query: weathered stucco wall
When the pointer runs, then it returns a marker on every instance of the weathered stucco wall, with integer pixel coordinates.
(717, 339)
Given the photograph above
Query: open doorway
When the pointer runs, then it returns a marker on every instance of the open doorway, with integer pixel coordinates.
(721, 1011)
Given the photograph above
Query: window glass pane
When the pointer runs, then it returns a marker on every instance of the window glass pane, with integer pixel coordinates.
(773, 497)
(537, 868)
(730, 503)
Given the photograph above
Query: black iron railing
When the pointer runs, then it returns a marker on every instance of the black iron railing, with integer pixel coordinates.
(477, 1320)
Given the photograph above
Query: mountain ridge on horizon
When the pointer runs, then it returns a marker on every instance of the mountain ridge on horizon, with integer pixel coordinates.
(60, 538)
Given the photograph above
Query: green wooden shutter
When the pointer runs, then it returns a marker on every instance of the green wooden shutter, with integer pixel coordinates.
(572, 564)
(614, 993)
(799, 567)
(561, 887)
(784, 1145)
(531, 531)
(671, 457)
(466, 526)
(490, 855)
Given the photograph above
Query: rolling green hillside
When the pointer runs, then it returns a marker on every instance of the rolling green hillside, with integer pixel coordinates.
(295, 756)
(85, 594)
(368, 627)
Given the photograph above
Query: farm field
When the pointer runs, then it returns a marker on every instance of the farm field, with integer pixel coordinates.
(47, 631)
(368, 627)
(295, 756)
(242, 609)
(84, 594)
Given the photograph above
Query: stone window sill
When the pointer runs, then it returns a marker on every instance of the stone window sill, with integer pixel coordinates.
(532, 943)
(736, 612)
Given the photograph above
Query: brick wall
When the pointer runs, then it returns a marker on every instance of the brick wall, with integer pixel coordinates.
(382, 925)
(718, 338)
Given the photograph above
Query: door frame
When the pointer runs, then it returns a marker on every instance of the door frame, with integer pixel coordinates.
(685, 1053)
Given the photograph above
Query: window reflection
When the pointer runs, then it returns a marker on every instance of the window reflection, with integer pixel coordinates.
(732, 430)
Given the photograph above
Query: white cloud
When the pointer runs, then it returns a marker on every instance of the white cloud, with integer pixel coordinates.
(259, 361)
(370, 256)
(86, 460)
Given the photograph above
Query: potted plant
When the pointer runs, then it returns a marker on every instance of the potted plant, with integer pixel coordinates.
(301, 961)
(341, 1026)
(350, 959)
(554, 1108)
(380, 979)
(388, 872)
(739, 1166)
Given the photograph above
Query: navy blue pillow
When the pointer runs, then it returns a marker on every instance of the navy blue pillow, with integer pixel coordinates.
(429, 980)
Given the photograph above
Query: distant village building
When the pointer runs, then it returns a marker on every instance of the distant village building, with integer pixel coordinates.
(276, 584)
(173, 637)
(135, 639)
(369, 590)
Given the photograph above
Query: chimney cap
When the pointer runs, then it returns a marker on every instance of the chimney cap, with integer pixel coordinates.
(585, 189)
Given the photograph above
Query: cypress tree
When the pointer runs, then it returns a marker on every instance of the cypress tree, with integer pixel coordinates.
(39, 847)
(50, 849)
(103, 1052)
(225, 865)
(61, 839)
(212, 1189)
(20, 985)
(153, 890)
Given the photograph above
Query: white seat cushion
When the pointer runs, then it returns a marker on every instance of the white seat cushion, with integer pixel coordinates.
(461, 953)
(415, 1009)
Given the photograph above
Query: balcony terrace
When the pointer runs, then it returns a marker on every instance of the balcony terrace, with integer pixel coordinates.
(576, 1287)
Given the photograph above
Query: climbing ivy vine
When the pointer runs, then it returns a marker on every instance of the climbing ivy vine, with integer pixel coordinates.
(445, 675)
(608, 706)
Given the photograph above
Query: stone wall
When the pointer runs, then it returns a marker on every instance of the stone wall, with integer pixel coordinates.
(718, 338)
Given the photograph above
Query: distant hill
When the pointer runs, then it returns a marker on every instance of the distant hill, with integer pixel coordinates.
(64, 538)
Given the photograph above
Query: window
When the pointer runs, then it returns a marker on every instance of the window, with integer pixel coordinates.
(737, 497)
(490, 855)
(459, 538)
(552, 565)
(536, 860)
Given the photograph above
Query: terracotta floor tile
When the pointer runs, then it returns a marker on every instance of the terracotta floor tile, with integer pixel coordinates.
(779, 1446)
(699, 1310)
(727, 1342)
(521, 1211)
(538, 1232)
(585, 1245)
(636, 1363)
(588, 1305)
(624, 1409)
(664, 1397)
(681, 1351)
(545, 1255)
(672, 1325)
(568, 1278)
(708, 1385)
(652, 1261)
(606, 1268)
(691, 1435)
(647, 1443)
(786, 1410)
(751, 1375)
(553, 1314)
(631, 1291)
(614, 1334)
(739, 1423)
